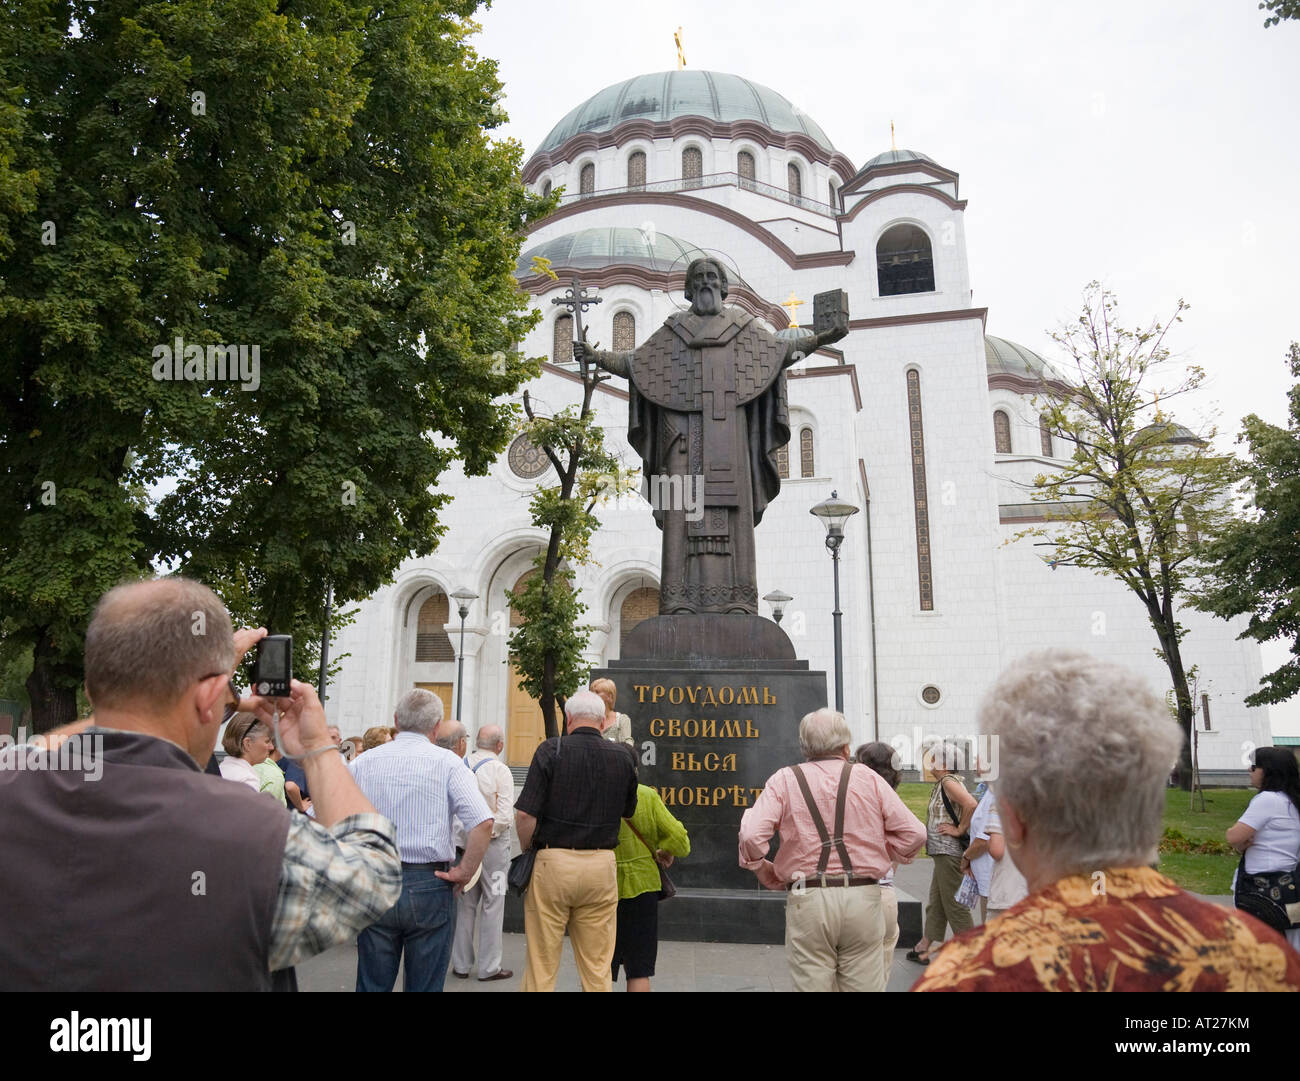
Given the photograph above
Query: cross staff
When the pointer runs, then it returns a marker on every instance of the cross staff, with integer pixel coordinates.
(577, 299)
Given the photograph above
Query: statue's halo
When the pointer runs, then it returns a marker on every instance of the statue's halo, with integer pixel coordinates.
(686, 258)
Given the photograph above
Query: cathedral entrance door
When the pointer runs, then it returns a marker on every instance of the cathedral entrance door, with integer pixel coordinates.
(524, 729)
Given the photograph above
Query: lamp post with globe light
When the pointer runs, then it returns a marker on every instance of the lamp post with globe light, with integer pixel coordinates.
(834, 512)
(463, 598)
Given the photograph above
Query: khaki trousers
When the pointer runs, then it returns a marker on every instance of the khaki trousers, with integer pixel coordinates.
(889, 908)
(578, 890)
(834, 939)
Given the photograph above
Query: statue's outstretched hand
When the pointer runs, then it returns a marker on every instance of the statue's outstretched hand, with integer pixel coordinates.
(582, 351)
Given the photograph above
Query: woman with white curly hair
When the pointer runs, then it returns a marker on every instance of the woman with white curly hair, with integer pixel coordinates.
(1083, 748)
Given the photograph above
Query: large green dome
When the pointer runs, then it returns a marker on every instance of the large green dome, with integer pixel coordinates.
(667, 95)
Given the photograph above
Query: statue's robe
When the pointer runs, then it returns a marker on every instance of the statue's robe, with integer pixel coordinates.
(708, 401)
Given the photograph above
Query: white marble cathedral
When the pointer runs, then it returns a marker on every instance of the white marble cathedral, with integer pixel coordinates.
(923, 419)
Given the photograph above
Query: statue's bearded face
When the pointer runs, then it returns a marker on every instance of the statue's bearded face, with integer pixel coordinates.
(706, 290)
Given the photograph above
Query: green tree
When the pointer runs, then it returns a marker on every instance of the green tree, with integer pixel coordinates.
(1139, 491)
(313, 179)
(1279, 10)
(547, 647)
(1253, 566)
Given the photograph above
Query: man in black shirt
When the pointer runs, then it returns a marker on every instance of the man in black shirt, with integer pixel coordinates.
(578, 787)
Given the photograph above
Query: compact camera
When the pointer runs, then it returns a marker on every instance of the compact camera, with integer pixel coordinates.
(273, 668)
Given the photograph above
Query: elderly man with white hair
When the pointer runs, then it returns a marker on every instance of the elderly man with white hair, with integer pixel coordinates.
(483, 905)
(842, 828)
(578, 789)
(421, 787)
(1083, 750)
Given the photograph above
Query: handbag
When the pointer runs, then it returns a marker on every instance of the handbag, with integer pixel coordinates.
(521, 871)
(667, 889)
(1273, 897)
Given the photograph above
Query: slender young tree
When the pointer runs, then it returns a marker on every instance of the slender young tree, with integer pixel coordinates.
(1139, 491)
(547, 647)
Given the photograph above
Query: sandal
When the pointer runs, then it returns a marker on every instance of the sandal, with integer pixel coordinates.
(917, 958)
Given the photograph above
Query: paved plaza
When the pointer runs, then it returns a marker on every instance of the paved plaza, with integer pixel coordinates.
(682, 966)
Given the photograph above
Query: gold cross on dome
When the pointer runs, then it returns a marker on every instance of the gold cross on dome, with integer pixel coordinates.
(793, 303)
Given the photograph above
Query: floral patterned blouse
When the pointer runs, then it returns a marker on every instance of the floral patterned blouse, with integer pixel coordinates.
(1122, 929)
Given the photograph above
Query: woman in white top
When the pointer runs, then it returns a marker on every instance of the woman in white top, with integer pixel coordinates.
(1268, 832)
(247, 742)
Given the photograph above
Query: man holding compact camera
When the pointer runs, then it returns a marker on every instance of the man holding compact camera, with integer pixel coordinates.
(180, 880)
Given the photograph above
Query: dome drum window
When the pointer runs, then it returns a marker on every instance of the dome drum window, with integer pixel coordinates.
(624, 338)
(562, 341)
(692, 166)
(1045, 436)
(904, 261)
(1001, 432)
(636, 171)
(794, 180)
(587, 179)
(745, 170)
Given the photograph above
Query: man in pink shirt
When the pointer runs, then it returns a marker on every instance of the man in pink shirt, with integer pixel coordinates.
(842, 830)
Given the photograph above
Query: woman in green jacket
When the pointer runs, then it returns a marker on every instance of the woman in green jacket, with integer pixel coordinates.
(661, 839)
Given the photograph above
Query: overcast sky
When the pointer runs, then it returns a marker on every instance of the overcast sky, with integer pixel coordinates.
(1151, 145)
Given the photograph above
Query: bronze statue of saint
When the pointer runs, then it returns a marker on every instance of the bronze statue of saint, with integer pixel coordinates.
(707, 415)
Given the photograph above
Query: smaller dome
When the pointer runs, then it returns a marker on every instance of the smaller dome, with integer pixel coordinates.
(1168, 432)
(893, 157)
(593, 248)
(1004, 357)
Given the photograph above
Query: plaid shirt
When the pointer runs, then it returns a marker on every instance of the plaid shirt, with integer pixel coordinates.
(333, 883)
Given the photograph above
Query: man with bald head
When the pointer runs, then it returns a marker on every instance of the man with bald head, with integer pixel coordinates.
(485, 904)
(182, 880)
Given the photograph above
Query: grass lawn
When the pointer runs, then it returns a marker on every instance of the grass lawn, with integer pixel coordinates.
(1200, 872)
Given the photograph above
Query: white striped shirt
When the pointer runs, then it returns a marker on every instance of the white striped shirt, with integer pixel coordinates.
(420, 787)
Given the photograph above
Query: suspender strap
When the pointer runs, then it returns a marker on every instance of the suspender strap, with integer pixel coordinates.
(820, 824)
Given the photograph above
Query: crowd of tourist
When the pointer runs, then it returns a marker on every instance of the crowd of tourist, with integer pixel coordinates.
(400, 839)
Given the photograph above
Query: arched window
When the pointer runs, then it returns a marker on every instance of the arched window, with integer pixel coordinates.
(546, 187)
(638, 606)
(587, 179)
(636, 170)
(745, 167)
(1045, 435)
(1189, 519)
(904, 261)
(431, 641)
(783, 461)
(624, 332)
(1001, 432)
(516, 617)
(794, 179)
(805, 452)
(692, 166)
(562, 343)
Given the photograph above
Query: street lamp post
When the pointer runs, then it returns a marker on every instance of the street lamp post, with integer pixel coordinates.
(778, 601)
(834, 512)
(463, 598)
